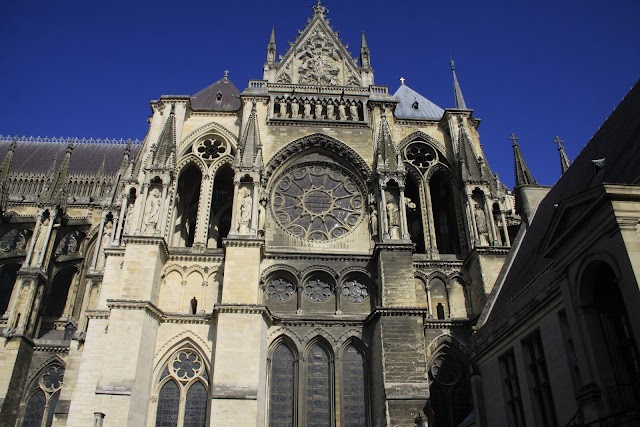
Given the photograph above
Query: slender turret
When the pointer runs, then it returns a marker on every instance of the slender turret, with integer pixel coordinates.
(460, 104)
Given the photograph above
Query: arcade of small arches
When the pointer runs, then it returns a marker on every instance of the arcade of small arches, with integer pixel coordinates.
(445, 298)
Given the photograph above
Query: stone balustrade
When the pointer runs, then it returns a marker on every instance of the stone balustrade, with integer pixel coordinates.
(325, 109)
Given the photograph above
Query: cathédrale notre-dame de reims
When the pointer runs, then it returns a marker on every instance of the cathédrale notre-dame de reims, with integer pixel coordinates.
(316, 251)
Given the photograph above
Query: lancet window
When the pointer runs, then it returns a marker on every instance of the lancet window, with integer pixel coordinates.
(42, 397)
(182, 398)
(444, 217)
(414, 214)
(187, 200)
(314, 379)
(221, 205)
(450, 392)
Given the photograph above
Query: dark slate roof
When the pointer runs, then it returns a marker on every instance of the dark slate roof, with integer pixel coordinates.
(36, 155)
(406, 98)
(618, 141)
(207, 98)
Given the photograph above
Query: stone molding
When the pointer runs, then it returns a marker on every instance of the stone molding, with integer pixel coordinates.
(317, 257)
(147, 240)
(238, 242)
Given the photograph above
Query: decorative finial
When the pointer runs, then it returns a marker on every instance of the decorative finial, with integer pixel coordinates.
(453, 66)
(514, 139)
(402, 79)
(319, 9)
(226, 73)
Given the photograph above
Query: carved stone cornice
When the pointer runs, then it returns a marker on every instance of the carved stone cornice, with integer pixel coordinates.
(147, 240)
(97, 314)
(242, 242)
(151, 309)
(288, 256)
(51, 346)
(245, 309)
(216, 258)
(491, 250)
(438, 264)
(318, 123)
(114, 251)
(400, 246)
(188, 319)
(396, 312)
(448, 323)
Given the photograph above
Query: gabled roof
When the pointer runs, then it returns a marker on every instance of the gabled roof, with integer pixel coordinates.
(413, 106)
(617, 140)
(220, 96)
(36, 154)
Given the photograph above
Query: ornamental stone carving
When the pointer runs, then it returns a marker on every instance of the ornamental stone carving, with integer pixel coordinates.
(421, 155)
(52, 378)
(317, 290)
(280, 290)
(320, 60)
(317, 202)
(152, 210)
(68, 244)
(211, 148)
(354, 291)
(14, 240)
(186, 365)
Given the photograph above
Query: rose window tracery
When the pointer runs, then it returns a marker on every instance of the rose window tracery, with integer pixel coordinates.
(317, 202)
(52, 378)
(211, 148)
(445, 370)
(186, 365)
(421, 155)
(355, 291)
(280, 290)
(317, 290)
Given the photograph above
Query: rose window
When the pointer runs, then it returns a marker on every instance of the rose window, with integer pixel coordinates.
(186, 365)
(212, 148)
(445, 370)
(280, 290)
(421, 155)
(317, 290)
(317, 202)
(52, 379)
(354, 291)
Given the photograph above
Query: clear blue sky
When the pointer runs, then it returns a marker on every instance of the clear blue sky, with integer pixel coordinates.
(536, 68)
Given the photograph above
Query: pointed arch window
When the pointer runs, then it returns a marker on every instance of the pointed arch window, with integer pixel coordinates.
(318, 400)
(42, 397)
(354, 388)
(283, 386)
(183, 391)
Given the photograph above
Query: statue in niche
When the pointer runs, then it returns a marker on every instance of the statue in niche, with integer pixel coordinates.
(68, 245)
(283, 108)
(128, 219)
(244, 210)
(152, 211)
(14, 240)
(481, 225)
(353, 109)
(330, 114)
(307, 109)
(41, 241)
(393, 217)
(342, 111)
(262, 215)
(318, 107)
(373, 220)
(295, 107)
(105, 242)
(194, 305)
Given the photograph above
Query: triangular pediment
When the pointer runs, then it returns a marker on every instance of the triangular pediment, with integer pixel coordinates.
(318, 58)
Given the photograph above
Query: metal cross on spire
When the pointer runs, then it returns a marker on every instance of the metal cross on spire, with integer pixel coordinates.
(514, 139)
(226, 73)
(564, 159)
(402, 79)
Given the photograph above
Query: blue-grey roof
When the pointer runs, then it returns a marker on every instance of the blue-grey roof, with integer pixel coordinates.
(408, 109)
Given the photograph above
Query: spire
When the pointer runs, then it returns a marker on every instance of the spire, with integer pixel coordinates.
(365, 54)
(250, 146)
(56, 193)
(460, 104)
(271, 48)
(5, 167)
(522, 173)
(164, 149)
(564, 159)
(470, 165)
(387, 153)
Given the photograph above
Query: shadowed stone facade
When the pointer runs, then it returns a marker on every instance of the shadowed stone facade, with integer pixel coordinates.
(310, 251)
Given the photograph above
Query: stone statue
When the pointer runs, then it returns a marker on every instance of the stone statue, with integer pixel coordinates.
(129, 219)
(194, 305)
(152, 211)
(244, 210)
(307, 110)
(330, 108)
(373, 219)
(13, 240)
(353, 109)
(283, 108)
(105, 242)
(68, 244)
(294, 109)
(41, 241)
(481, 225)
(318, 110)
(393, 214)
(342, 112)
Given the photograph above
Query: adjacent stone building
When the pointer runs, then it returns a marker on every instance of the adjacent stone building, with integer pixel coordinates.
(311, 251)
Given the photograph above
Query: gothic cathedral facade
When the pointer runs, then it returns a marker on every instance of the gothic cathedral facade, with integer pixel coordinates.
(311, 251)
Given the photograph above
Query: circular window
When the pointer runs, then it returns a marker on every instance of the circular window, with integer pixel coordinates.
(317, 290)
(186, 365)
(445, 370)
(211, 148)
(317, 202)
(280, 290)
(421, 155)
(354, 291)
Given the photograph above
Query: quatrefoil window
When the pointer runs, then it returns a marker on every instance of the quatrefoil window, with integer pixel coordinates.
(52, 379)
(317, 202)
(211, 148)
(186, 365)
(421, 155)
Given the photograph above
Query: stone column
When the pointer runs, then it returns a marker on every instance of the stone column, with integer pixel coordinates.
(234, 208)
(144, 193)
(429, 301)
(253, 228)
(504, 228)
(432, 248)
(123, 209)
(474, 228)
(163, 206)
(404, 230)
(96, 251)
(34, 237)
(383, 213)
(43, 254)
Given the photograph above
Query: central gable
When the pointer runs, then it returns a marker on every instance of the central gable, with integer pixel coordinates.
(318, 57)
